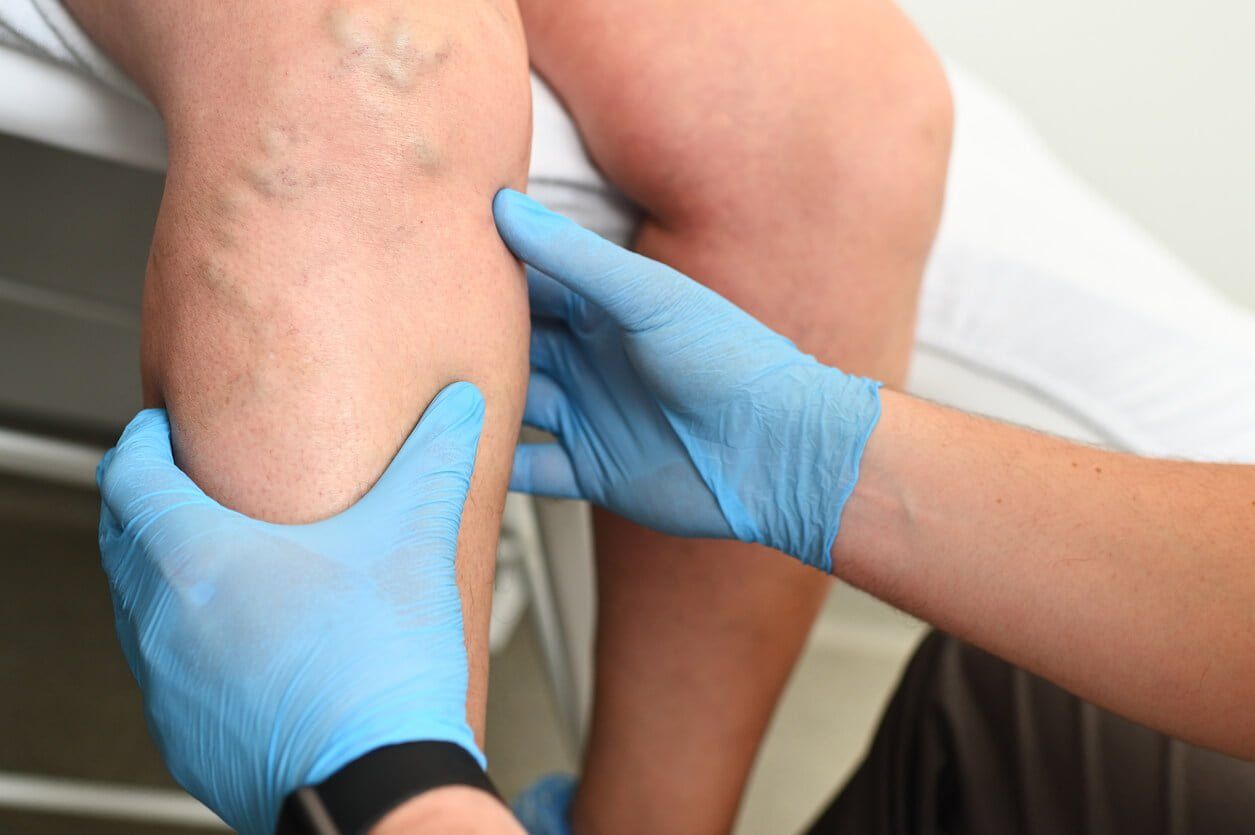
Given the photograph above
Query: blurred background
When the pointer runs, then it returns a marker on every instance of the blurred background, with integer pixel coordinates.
(1150, 102)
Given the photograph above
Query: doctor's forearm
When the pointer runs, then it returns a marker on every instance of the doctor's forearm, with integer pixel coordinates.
(1126, 580)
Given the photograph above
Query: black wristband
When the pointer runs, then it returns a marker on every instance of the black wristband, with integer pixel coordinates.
(361, 793)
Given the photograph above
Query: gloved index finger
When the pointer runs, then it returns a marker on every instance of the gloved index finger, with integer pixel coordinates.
(548, 298)
(631, 288)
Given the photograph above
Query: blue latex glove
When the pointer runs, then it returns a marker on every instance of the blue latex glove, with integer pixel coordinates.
(270, 656)
(672, 406)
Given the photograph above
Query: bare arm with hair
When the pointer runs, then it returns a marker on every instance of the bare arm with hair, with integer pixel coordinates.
(1127, 580)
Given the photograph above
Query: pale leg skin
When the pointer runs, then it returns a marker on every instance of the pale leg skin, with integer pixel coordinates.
(791, 156)
(325, 258)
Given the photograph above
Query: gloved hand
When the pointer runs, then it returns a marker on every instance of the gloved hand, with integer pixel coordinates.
(269, 655)
(673, 407)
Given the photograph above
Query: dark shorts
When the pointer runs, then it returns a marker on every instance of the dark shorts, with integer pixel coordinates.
(970, 745)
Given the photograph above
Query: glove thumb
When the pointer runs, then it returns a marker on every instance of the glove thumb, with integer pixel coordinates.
(427, 482)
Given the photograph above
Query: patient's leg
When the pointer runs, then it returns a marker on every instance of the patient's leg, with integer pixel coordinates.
(325, 258)
(792, 156)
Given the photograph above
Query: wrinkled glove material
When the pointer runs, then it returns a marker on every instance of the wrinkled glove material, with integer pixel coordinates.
(673, 407)
(270, 655)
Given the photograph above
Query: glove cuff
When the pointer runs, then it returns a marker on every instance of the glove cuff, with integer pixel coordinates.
(836, 418)
(862, 414)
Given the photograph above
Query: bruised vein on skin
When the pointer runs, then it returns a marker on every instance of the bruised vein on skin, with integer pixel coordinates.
(385, 62)
(388, 53)
(279, 174)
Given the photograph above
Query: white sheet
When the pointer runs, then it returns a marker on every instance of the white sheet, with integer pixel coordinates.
(44, 29)
(1038, 280)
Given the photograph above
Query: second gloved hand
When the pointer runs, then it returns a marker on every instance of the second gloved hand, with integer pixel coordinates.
(272, 655)
(672, 406)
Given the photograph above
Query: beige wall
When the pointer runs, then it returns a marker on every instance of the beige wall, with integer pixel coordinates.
(1152, 101)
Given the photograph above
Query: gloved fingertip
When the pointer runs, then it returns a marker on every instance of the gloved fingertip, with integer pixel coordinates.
(503, 197)
(107, 530)
(463, 395)
(145, 440)
(103, 466)
(519, 218)
(149, 430)
(520, 471)
(459, 406)
(448, 433)
(536, 276)
(544, 469)
(149, 420)
(508, 200)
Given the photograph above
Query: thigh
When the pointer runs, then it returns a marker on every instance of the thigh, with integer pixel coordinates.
(971, 745)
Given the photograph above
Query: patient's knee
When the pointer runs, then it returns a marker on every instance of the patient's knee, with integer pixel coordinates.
(844, 148)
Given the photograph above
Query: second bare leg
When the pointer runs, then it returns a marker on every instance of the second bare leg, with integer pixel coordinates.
(793, 159)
